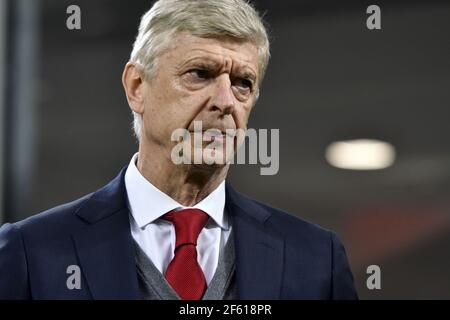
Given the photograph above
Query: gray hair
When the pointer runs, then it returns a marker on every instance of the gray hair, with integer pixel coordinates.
(203, 18)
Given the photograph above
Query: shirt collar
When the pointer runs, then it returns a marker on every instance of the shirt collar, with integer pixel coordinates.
(147, 203)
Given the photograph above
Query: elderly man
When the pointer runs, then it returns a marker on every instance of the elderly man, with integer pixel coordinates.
(169, 230)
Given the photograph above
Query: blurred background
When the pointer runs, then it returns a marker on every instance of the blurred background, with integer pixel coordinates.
(66, 127)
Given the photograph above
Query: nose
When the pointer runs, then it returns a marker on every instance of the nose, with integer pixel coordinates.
(223, 99)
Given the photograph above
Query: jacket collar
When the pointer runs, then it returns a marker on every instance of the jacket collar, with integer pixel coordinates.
(105, 201)
(259, 248)
(105, 245)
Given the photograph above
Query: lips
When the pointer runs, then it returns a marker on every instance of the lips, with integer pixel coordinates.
(216, 135)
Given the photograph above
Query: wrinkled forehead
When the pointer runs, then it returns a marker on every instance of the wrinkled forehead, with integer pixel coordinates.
(225, 50)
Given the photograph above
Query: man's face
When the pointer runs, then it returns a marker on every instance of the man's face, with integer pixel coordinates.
(214, 81)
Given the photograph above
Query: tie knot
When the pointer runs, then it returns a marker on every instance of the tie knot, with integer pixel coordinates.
(187, 223)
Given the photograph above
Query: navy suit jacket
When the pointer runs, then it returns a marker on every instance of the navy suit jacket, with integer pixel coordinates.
(278, 256)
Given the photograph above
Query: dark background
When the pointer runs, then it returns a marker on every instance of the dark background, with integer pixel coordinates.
(66, 125)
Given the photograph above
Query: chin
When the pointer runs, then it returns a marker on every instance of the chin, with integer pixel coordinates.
(207, 168)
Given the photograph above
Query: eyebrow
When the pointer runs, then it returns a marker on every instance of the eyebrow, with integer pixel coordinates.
(210, 63)
(201, 62)
(248, 75)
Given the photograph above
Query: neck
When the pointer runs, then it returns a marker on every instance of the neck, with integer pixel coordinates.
(186, 184)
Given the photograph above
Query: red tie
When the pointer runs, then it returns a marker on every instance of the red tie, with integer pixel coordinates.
(184, 273)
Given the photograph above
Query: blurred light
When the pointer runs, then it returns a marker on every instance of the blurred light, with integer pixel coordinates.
(361, 154)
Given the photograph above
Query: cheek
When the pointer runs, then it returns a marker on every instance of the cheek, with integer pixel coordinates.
(161, 102)
(152, 113)
(157, 115)
(174, 112)
(189, 106)
(242, 114)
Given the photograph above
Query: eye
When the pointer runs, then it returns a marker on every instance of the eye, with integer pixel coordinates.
(243, 84)
(201, 74)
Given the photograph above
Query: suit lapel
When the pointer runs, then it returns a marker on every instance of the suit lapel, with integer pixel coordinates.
(104, 244)
(258, 248)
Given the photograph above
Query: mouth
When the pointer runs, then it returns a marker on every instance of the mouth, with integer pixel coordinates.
(208, 136)
(216, 134)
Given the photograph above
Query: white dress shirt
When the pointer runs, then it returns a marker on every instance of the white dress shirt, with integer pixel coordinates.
(156, 237)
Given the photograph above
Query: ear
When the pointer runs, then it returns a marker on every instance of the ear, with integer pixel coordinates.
(133, 81)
